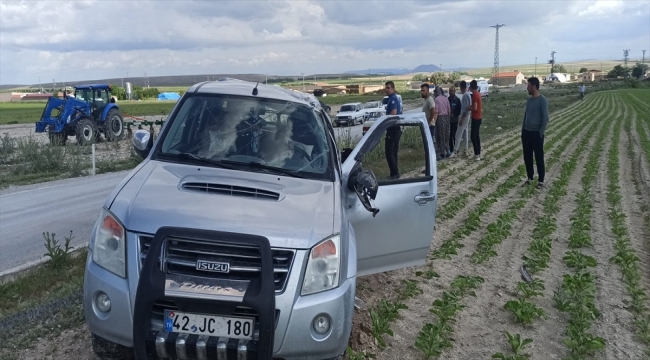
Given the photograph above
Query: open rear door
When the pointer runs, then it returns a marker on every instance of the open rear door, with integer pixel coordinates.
(400, 233)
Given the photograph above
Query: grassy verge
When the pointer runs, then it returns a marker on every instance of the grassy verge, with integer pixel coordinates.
(44, 302)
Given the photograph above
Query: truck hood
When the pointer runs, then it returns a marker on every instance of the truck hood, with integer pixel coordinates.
(290, 212)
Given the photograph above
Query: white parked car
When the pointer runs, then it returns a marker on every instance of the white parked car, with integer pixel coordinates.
(350, 114)
(373, 110)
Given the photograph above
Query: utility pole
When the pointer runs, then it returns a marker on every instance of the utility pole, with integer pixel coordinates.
(535, 66)
(40, 88)
(495, 71)
(626, 54)
(552, 61)
(303, 81)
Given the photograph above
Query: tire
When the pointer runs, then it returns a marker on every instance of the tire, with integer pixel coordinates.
(105, 349)
(114, 125)
(86, 132)
(58, 139)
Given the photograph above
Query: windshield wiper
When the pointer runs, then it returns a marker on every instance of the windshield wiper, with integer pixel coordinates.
(202, 159)
(258, 165)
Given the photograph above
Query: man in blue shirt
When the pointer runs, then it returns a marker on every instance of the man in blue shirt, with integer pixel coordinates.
(393, 133)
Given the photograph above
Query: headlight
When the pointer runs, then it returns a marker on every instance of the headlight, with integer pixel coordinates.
(322, 271)
(109, 246)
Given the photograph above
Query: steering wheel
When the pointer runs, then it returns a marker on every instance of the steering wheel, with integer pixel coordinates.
(301, 152)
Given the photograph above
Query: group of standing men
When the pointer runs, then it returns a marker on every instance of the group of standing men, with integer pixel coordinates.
(450, 118)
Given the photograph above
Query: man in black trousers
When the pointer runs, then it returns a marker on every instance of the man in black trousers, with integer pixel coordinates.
(532, 131)
(455, 104)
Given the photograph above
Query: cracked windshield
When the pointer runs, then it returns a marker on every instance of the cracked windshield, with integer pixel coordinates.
(249, 131)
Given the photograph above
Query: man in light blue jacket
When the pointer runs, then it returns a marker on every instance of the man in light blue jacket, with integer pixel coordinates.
(532, 131)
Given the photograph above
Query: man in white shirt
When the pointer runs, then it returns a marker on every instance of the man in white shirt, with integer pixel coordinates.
(463, 119)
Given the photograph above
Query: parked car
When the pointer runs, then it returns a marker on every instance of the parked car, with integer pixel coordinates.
(242, 232)
(373, 110)
(350, 114)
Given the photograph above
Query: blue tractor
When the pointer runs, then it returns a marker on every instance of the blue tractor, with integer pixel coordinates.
(90, 111)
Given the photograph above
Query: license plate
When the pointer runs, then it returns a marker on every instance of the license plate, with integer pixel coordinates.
(211, 325)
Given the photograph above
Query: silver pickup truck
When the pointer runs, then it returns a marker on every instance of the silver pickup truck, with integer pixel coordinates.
(243, 231)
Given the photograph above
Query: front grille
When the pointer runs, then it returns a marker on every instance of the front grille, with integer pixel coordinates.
(231, 190)
(181, 256)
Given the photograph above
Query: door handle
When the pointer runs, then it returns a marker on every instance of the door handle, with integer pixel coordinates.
(424, 197)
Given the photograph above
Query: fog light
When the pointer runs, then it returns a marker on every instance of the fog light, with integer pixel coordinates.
(103, 302)
(321, 324)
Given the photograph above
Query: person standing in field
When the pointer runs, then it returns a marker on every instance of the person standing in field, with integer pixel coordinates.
(429, 109)
(456, 105)
(442, 123)
(477, 119)
(532, 132)
(583, 88)
(393, 133)
(464, 119)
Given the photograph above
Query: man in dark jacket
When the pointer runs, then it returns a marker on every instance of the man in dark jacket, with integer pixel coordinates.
(455, 104)
(532, 131)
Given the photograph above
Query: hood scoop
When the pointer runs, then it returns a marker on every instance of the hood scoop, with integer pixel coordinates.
(231, 190)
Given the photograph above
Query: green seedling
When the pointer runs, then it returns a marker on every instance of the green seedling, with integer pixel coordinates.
(358, 355)
(579, 261)
(517, 346)
(524, 311)
(433, 339)
(382, 317)
(530, 289)
(410, 290)
(466, 284)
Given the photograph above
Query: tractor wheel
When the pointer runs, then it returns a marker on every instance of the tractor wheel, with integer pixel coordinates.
(114, 125)
(86, 132)
(58, 139)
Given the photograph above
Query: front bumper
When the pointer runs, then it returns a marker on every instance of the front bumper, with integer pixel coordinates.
(294, 337)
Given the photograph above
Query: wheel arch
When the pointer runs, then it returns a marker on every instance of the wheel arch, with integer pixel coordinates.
(108, 108)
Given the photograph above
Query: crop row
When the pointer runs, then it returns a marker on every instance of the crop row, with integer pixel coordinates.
(459, 201)
(499, 230)
(626, 257)
(576, 295)
(436, 336)
(538, 254)
(387, 311)
(449, 246)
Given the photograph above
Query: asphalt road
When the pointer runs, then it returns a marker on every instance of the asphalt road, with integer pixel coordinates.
(58, 207)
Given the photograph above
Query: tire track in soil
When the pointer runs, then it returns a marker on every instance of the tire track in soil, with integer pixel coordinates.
(412, 319)
(615, 323)
(476, 340)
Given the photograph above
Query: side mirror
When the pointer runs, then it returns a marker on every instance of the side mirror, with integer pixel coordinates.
(142, 142)
(366, 187)
(345, 153)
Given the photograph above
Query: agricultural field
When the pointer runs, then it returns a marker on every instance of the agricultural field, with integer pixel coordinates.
(561, 272)
(582, 240)
(24, 113)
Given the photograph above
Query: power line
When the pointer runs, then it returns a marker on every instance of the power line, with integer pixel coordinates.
(495, 71)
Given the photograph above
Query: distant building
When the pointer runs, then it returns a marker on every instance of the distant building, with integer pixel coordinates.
(591, 75)
(508, 78)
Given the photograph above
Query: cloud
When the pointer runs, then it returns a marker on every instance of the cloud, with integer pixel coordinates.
(82, 40)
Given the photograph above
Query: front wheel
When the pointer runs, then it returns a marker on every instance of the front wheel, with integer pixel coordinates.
(58, 139)
(114, 125)
(86, 132)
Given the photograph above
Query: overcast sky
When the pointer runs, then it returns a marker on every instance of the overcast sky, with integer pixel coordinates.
(82, 40)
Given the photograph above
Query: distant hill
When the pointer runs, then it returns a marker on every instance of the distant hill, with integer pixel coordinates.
(426, 69)
(393, 71)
